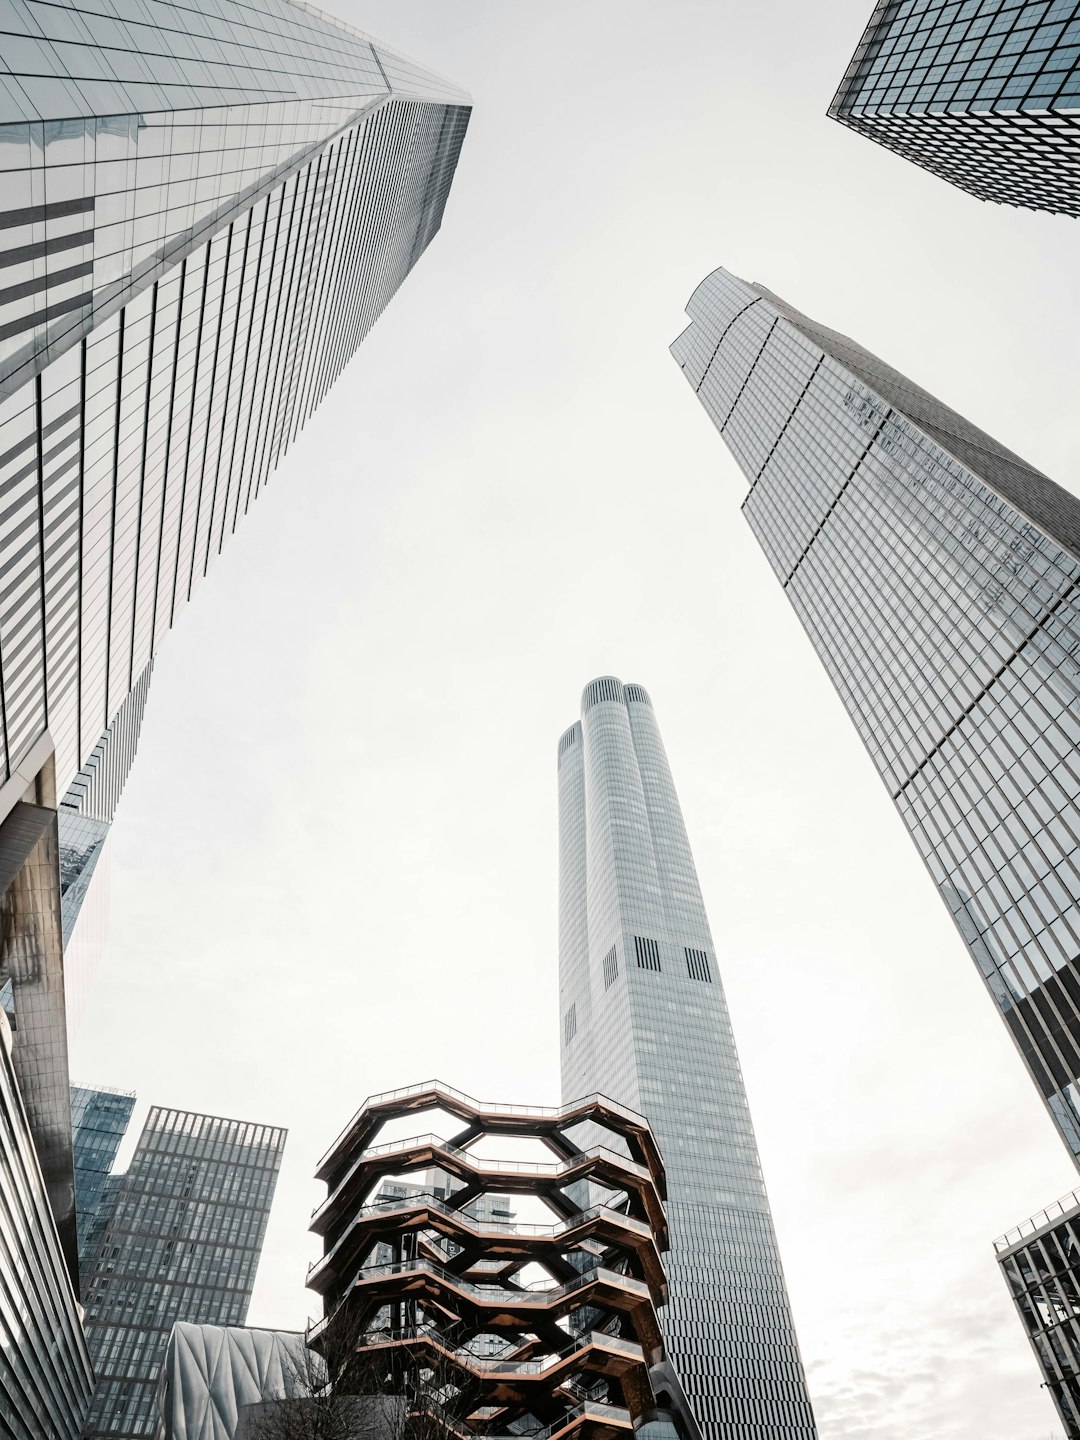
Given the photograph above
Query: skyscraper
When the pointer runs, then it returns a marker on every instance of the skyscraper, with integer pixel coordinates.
(45, 1374)
(204, 215)
(1040, 1261)
(938, 577)
(984, 93)
(181, 1242)
(644, 1021)
(99, 1121)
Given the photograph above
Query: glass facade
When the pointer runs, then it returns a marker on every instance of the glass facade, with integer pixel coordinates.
(204, 214)
(45, 1375)
(644, 1021)
(99, 1121)
(1040, 1261)
(937, 576)
(181, 1242)
(984, 93)
(203, 210)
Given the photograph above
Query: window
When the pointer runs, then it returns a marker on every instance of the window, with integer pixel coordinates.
(570, 1024)
(611, 968)
(607, 688)
(647, 952)
(697, 965)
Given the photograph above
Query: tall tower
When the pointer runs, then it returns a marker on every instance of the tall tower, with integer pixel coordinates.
(937, 575)
(984, 93)
(204, 211)
(203, 218)
(45, 1377)
(181, 1242)
(99, 1121)
(644, 1021)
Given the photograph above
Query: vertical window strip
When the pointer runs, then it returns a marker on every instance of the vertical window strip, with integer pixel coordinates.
(351, 287)
(168, 450)
(330, 276)
(112, 517)
(82, 525)
(41, 541)
(229, 369)
(279, 265)
(298, 222)
(697, 965)
(295, 310)
(142, 480)
(246, 392)
(209, 409)
(570, 1024)
(189, 428)
(647, 953)
(611, 967)
(345, 281)
(318, 239)
(272, 292)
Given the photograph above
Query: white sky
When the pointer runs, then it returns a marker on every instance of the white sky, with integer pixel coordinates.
(334, 869)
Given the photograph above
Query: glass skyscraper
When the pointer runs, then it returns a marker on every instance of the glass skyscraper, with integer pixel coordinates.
(644, 1021)
(45, 1374)
(181, 1242)
(99, 1121)
(984, 93)
(937, 575)
(204, 212)
(1040, 1261)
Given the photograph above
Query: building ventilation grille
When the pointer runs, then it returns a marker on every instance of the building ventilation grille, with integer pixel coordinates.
(611, 968)
(697, 965)
(570, 738)
(647, 952)
(636, 694)
(570, 1024)
(606, 689)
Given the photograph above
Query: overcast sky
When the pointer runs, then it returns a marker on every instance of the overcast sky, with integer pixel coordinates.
(334, 869)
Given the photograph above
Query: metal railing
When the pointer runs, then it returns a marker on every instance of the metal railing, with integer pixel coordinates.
(486, 1107)
(497, 1364)
(504, 1295)
(544, 1169)
(505, 1167)
(1053, 1213)
(104, 1089)
(495, 1229)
